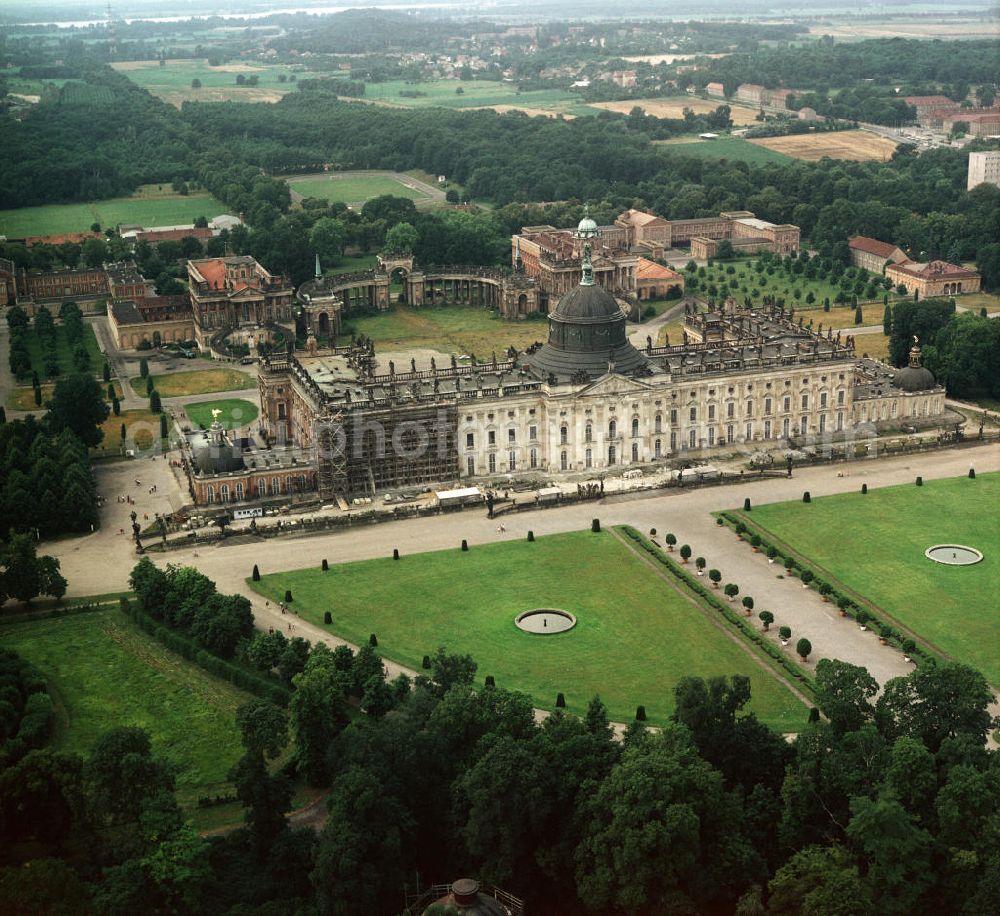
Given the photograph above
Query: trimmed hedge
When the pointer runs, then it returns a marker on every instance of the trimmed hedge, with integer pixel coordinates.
(710, 598)
(826, 588)
(188, 649)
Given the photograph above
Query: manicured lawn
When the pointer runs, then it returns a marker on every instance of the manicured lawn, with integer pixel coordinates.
(842, 316)
(351, 264)
(635, 637)
(875, 545)
(176, 384)
(731, 148)
(149, 206)
(106, 672)
(64, 355)
(474, 94)
(142, 429)
(24, 398)
(235, 413)
(350, 189)
(461, 329)
(781, 284)
(874, 345)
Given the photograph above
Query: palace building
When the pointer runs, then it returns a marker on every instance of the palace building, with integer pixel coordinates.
(586, 401)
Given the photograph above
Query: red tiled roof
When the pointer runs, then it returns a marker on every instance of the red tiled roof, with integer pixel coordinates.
(872, 246)
(76, 237)
(924, 100)
(213, 270)
(934, 270)
(164, 235)
(650, 270)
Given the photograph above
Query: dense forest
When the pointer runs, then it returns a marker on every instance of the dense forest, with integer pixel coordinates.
(880, 806)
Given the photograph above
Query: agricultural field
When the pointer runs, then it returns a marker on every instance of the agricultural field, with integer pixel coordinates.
(104, 672)
(150, 205)
(636, 635)
(674, 108)
(354, 188)
(474, 94)
(883, 557)
(172, 82)
(178, 384)
(727, 148)
(235, 414)
(460, 329)
(857, 145)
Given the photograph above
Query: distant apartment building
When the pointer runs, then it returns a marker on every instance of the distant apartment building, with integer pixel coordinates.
(984, 168)
(624, 78)
(975, 123)
(716, 90)
(751, 94)
(873, 255)
(927, 104)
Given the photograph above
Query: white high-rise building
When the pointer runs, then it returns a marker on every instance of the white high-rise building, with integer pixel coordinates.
(984, 168)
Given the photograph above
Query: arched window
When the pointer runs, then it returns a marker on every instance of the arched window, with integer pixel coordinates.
(224, 492)
(512, 460)
(635, 451)
(588, 458)
(657, 449)
(239, 490)
(658, 424)
(612, 431)
(210, 494)
(533, 457)
(635, 427)
(563, 461)
(563, 433)
(275, 486)
(611, 453)
(588, 434)
(261, 487)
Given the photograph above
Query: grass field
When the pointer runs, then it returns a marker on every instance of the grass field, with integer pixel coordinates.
(977, 301)
(858, 145)
(350, 189)
(106, 672)
(728, 148)
(351, 264)
(674, 108)
(149, 206)
(235, 413)
(176, 384)
(842, 316)
(874, 345)
(875, 545)
(24, 398)
(142, 429)
(781, 284)
(172, 82)
(474, 94)
(460, 329)
(63, 353)
(635, 636)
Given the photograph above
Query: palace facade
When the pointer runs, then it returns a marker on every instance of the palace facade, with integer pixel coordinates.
(587, 401)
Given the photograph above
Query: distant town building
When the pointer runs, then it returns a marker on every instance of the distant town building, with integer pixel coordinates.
(654, 281)
(984, 168)
(873, 255)
(751, 94)
(935, 278)
(624, 78)
(809, 114)
(716, 90)
(925, 104)
(975, 123)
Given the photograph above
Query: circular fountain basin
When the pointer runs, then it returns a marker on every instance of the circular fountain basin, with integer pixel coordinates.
(545, 620)
(953, 554)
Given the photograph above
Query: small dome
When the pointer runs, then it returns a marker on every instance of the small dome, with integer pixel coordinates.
(914, 378)
(587, 302)
(211, 456)
(586, 226)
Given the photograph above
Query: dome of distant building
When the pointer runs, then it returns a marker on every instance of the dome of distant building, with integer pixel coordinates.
(914, 377)
(586, 228)
(587, 303)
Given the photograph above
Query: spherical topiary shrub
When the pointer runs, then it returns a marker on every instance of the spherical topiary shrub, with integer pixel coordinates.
(395, 553)
(670, 540)
(806, 498)
(327, 617)
(465, 544)
(920, 481)
(531, 536)
(685, 552)
(373, 640)
(324, 566)
(560, 701)
(426, 663)
(748, 603)
(720, 521)
(746, 504)
(652, 532)
(807, 576)
(640, 714)
(864, 489)
(490, 681)
(595, 526)
(256, 573)
(715, 576)
(803, 647)
(772, 552)
(766, 618)
(288, 596)
(785, 632)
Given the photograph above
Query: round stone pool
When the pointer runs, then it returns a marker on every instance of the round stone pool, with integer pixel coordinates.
(545, 620)
(953, 554)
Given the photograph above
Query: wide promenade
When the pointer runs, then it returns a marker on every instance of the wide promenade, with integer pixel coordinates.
(101, 562)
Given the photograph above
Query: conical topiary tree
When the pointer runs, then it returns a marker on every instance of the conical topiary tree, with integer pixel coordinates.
(560, 701)
(256, 573)
(288, 596)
